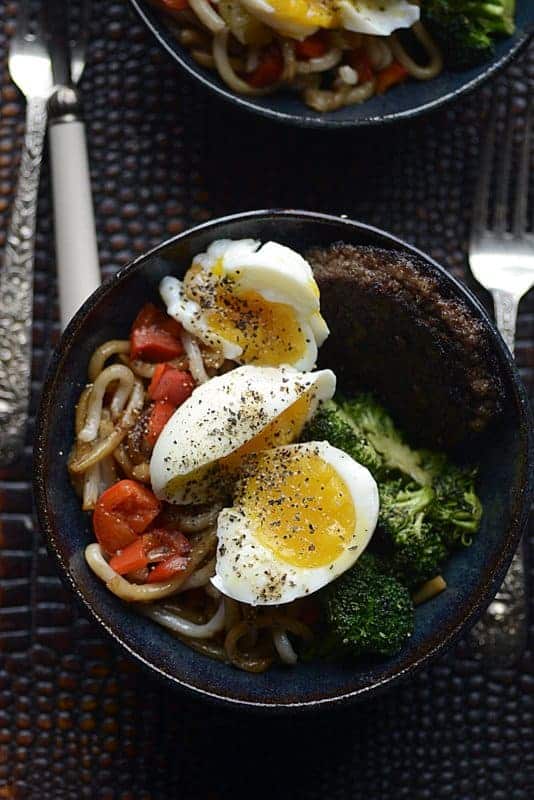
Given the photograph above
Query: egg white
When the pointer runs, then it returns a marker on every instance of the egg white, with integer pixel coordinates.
(271, 16)
(248, 571)
(277, 272)
(274, 271)
(376, 17)
(219, 417)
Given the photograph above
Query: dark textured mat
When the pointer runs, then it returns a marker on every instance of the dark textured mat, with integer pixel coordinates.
(77, 720)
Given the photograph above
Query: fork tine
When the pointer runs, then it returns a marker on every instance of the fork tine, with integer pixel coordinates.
(22, 18)
(521, 193)
(78, 42)
(503, 176)
(482, 191)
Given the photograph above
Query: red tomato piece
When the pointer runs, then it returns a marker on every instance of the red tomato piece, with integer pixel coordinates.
(160, 414)
(167, 542)
(269, 69)
(122, 512)
(156, 545)
(359, 60)
(168, 568)
(313, 46)
(170, 384)
(390, 76)
(155, 336)
(171, 5)
(131, 558)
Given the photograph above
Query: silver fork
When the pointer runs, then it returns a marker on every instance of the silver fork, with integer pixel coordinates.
(501, 257)
(31, 71)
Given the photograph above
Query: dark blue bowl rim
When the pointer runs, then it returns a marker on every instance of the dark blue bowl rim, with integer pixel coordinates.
(494, 572)
(326, 121)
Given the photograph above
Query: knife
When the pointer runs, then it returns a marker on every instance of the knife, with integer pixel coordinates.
(75, 233)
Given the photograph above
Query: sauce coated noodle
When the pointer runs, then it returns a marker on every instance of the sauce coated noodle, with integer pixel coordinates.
(108, 410)
(217, 44)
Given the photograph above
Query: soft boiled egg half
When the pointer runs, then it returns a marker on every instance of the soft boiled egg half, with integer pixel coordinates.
(301, 18)
(257, 304)
(243, 411)
(302, 515)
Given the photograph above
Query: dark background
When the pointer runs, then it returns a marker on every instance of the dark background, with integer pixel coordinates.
(77, 719)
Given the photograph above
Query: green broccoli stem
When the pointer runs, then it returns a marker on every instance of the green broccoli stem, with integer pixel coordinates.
(500, 15)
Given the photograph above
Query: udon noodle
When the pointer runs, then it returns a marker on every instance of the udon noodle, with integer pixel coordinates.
(325, 82)
(108, 414)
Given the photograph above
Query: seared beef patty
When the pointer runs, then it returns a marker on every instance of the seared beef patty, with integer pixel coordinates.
(398, 330)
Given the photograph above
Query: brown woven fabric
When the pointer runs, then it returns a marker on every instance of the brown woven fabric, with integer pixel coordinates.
(77, 719)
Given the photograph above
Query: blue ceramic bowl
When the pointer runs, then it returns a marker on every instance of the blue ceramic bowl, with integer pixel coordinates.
(404, 101)
(505, 455)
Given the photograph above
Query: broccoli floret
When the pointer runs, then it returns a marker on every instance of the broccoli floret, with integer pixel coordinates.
(401, 502)
(368, 611)
(418, 549)
(456, 510)
(465, 29)
(427, 506)
(381, 432)
(332, 424)
(418, 554)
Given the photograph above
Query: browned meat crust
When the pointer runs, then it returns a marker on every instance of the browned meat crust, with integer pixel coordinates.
(398, 330)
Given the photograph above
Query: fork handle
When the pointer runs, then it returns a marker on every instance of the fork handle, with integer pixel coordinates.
(500, 637)
(76, 247)
(16, 290)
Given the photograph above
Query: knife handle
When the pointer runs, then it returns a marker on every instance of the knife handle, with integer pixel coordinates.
(76, 247)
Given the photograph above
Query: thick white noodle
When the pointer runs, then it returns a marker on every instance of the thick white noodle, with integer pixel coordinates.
(108, 474)
(379, 52)
(171, 620)
(135, 404)
(283, 646)
(435, 59)
(140, 368)
(227, 72)
(196, 364)
(204, 59)
(208, 16)
(321, 64)
(328, 100)
(143, 593)
(91, 487)
(115, 372)
(105, 447)
(96, 480)
(290, 60)
(110, 348)
(131, 592)
(348, 75)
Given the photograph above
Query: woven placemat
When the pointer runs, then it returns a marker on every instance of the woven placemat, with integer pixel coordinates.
(78, 719)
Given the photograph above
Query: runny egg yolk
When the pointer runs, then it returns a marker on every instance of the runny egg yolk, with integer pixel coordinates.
(268, 333)
(317, 13)
(300, 507)
(283, 429)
